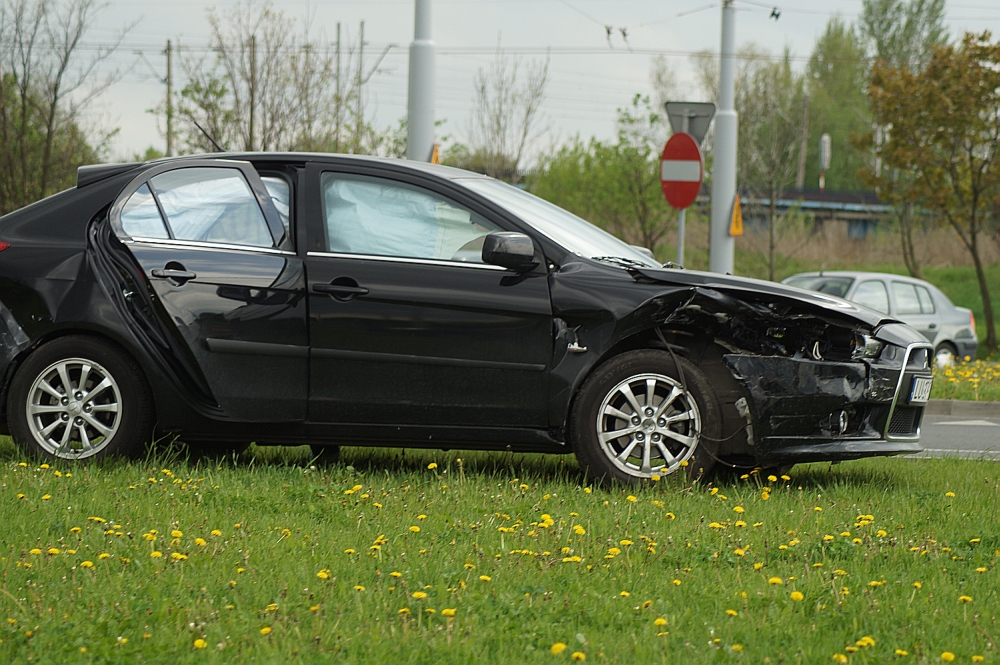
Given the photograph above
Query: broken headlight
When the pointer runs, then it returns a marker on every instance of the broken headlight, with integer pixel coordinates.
(865, 346)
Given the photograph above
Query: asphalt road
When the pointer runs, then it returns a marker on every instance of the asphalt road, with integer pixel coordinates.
(973, 437)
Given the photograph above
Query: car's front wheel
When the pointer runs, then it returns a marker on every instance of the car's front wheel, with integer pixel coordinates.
(645, 413)
(78, 398)
(945, 355)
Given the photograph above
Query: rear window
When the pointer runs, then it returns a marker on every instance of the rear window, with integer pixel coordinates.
(834, 286)
(906, 298)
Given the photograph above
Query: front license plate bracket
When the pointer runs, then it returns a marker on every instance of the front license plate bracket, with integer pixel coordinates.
(920, 390)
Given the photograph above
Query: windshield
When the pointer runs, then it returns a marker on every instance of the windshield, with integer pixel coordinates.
(575, 234)
(835, 286)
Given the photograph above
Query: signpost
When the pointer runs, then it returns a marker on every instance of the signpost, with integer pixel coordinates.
(681, 166)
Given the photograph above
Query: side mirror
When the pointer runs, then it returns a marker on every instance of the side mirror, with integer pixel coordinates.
(515, 251)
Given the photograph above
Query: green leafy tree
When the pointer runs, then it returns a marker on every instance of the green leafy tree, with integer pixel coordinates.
(615, 185)
(944, 128)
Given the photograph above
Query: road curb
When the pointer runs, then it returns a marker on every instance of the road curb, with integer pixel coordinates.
(958, 407)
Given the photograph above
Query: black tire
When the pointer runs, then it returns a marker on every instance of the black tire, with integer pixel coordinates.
(325, 455)
(703, 424)
(128, 428)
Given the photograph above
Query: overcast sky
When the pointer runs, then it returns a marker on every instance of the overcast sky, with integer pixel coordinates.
(589, 80)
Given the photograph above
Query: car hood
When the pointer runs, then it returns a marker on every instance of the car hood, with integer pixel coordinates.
(732, 283)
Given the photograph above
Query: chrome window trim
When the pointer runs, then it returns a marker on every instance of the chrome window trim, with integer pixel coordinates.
(206, 246)
(899, 386)
(404, 259)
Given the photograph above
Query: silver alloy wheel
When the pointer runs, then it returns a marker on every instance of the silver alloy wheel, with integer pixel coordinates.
(73, 408)
(648, 424)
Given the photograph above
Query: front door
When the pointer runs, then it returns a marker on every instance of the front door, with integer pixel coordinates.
(217, 254)
(407, 324)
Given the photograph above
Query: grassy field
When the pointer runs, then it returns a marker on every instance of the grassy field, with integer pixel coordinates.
(977, 380)
(431, 557)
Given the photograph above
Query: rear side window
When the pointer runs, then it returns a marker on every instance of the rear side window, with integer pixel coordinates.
(835, 286)
(141, 218)
(906, 299)
(926, 302)
(872, 294)
(212, 205)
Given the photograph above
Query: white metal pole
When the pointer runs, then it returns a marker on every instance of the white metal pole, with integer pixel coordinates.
(724, 156)
(420, 108)
(682, 214)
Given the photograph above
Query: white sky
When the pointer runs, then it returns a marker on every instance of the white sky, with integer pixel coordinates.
(586, 85)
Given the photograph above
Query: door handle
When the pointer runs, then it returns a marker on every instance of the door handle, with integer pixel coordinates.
(175, 275)
(932, 326)
(342, 288)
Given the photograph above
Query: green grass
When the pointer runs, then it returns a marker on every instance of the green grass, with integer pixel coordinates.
(977, 381)
(283, 521)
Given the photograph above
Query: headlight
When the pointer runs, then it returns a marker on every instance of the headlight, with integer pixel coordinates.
(865, 346)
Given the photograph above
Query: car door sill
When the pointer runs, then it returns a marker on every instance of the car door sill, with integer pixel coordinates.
(374, 356)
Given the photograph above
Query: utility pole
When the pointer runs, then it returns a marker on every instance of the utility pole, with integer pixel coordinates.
(358, 112)
(170, 100)
(339, 98)
(420, 103)
(253, 86)
(682, 213)
(724, 157)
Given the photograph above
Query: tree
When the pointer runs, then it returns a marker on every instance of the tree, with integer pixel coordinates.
(267, 87)
(770, 138)
(901, 34)
(943, 126)
(505, 118)
(45, 86)
(614, 185)
(836, 77)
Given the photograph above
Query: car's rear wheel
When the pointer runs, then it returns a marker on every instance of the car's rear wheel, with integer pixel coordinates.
(79, 398)
(945, 355)
(637, 417)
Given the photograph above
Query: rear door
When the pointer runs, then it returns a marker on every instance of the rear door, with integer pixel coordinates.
(408, 325)
(913, 305)
(219, 258)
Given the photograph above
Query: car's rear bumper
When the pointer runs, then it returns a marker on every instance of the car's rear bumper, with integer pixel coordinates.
(967, 348)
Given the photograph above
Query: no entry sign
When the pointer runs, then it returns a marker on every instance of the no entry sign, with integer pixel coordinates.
(681, 170)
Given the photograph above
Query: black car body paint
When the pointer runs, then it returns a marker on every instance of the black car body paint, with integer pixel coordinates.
(396, 352)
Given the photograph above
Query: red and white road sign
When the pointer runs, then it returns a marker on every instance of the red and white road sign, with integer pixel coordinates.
(681, 170)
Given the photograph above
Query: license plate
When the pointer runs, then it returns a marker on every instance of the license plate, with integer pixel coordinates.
(921, 390)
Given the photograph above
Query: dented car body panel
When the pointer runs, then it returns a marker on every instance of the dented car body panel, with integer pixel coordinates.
(299, 341)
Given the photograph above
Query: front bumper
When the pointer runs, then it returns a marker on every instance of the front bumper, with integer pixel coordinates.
(802, 410)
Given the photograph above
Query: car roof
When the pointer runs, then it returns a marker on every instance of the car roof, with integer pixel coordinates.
(94, 173)
(859, 274)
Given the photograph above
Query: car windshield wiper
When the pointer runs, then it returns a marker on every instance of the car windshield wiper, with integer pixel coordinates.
(621, 261)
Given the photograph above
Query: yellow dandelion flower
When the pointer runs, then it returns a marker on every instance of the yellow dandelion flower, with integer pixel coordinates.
(34, 551)
(156, 555)
(350, 550)
(176, 534)
(557, 648)
(415, 529)
(948, 494)
(200, 542)
(266, 630)
(631, 498)
(421, 517)
(764, 496)
(881, 533)
(579, 530)
(624, 594)
(405, 610)
(947, 656)
(46, 497)
(396, 573)
(917, 585)
(52, 550)
(659, 621)
(901, 652)
(358, 587)
(419, 595)
(839, 658)
(978, 659)
(87, 564)
(103, 555)
(772, 479)
(200, 643)
(216, 532)
(965, 599)
(485, 578)
(177, 556)
(775, 580)
(75, 529)
(738, 509)
(975, 540)
(676, 582)
(758, 566)
(797, 596)
(980, 570)
(738, 648)
(579, 655)
(732, 613)
(625, 543)
(432, 465)
(323, 574)
(449, 611)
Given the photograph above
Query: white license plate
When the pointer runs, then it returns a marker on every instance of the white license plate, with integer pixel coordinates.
(921, 390)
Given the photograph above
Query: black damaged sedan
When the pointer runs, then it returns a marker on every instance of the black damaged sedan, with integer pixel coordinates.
(330, 300)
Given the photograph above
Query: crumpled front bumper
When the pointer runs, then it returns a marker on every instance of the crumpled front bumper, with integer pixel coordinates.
(804, 410)
(13, 340)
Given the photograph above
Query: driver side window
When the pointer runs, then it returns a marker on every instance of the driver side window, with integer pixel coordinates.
(377, 217)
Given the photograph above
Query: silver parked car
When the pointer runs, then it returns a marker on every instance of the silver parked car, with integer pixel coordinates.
(920, 304)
